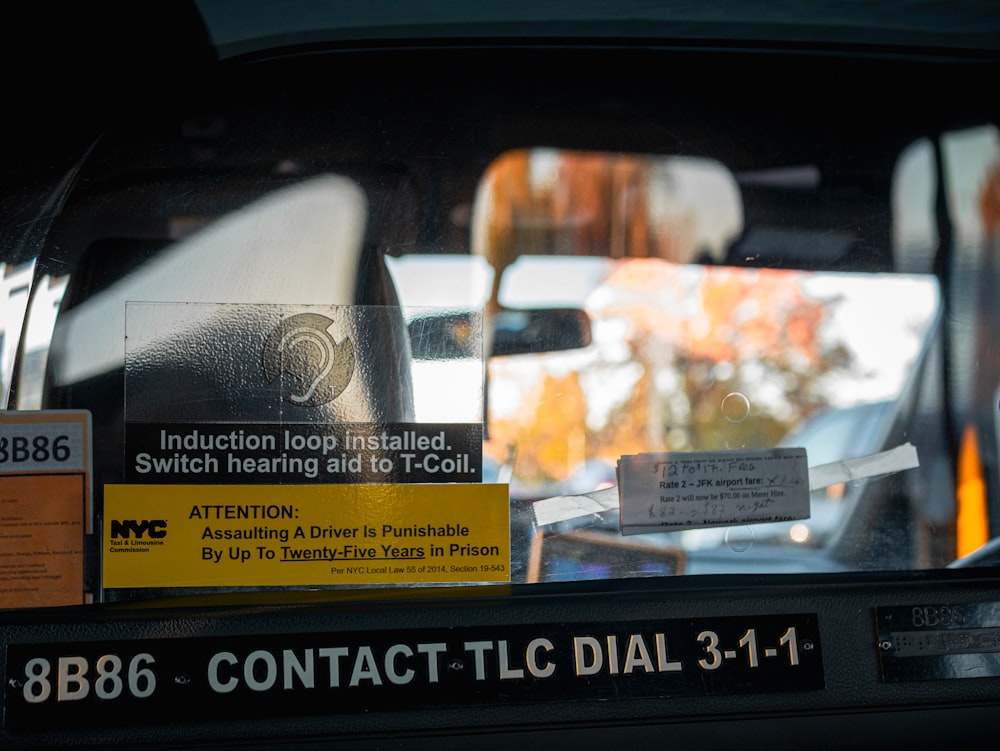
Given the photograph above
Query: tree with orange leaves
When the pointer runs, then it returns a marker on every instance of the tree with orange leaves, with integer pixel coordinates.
(706, 330)
(720, 331)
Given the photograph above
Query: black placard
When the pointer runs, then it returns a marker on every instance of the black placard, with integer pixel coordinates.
(161, 680)
(937, 641)
(302, 453)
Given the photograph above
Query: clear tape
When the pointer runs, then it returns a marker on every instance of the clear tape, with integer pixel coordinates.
(564, 508)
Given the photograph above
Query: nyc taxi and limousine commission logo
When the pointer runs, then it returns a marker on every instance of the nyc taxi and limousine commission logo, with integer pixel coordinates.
(321, 368)
(134, 535)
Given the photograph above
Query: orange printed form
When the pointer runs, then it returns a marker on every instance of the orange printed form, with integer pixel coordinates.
(45, 507)
(304, 535)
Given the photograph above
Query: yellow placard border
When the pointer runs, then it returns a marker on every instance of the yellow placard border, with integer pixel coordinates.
(221, 536)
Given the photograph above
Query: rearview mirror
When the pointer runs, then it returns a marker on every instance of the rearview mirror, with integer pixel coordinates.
(518, 332)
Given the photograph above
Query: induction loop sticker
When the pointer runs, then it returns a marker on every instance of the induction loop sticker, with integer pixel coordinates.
(303, 347)
(566, 508)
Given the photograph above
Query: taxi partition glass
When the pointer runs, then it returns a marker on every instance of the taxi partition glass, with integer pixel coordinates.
(378, 317)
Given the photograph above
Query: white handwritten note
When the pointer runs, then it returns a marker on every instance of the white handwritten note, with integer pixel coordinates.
(666, 491)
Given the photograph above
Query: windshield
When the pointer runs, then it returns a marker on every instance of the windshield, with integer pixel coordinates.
(687, 355)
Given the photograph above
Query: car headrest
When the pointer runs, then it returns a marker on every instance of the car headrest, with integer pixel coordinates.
(252, 318)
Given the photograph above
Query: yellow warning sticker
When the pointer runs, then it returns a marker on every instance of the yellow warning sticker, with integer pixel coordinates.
(304, 535)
